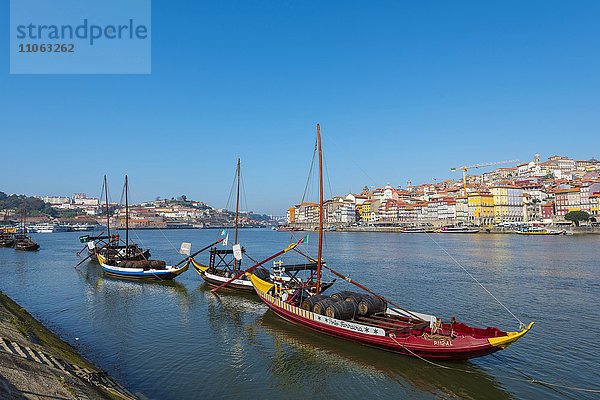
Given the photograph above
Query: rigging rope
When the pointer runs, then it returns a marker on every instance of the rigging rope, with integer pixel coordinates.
(310, 172)
(172, 245)
(521, 324)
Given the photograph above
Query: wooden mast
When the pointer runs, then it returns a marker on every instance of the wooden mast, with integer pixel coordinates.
(237, 211)
(107, 216)
(126, 217)
(320, 252)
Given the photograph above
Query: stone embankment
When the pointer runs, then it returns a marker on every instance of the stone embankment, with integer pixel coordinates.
(36, 364)
(398, 229)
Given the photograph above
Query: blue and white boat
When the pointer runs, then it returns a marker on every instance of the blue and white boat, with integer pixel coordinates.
(120, 264)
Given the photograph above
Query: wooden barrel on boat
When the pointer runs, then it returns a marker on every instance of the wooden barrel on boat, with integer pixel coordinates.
(321, 305)
(355, 297)
(158, 264)
(344, 294)
(341, 310)
(144, 264)
(309, 302)
(370, 305)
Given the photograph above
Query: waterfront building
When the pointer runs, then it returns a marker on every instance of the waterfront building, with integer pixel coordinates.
(406, 213)
(339, 210)
(481, 208)
(462, 210)
(547, 212)
(508, 203)
(595, 205)
(532, 209)
(291, 215)
(307, 213)
(585, 191)
(365, 211)
(446, 210)
(567, 200)
(420, 212)
(388, 211)
(375, 210)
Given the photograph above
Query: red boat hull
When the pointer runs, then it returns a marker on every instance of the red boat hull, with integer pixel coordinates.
(460, 348)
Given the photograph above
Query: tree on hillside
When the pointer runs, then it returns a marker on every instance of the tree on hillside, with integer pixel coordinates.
(33, 205)
(577, 216)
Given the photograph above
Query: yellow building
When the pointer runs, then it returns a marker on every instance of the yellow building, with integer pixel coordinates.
(481, 208)
(500, 199)
(365, 211)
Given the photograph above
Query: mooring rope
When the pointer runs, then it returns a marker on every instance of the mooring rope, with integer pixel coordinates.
(521, 324)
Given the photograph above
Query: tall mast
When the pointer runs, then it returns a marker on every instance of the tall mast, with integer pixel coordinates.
(237, 210)
(107, 216)
(320, 252)
(126, 217)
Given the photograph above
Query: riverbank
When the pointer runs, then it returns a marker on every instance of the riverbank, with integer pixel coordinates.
(494, 230)
(36, 364)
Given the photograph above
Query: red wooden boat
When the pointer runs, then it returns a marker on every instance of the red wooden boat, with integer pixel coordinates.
(371, 319)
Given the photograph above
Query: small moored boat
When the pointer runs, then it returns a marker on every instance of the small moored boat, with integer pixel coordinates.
(459, 229)
(538, 231)
(123, 267)
(23, 241)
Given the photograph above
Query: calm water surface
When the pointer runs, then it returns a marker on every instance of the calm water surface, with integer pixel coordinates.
(176, 340)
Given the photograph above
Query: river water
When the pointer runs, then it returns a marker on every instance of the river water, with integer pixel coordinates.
(176, 340)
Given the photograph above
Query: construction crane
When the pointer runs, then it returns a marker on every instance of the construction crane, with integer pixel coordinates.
(482, 165)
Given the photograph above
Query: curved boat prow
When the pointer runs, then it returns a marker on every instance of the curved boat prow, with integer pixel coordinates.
(198, 267)
(259, 283)
(511, 337)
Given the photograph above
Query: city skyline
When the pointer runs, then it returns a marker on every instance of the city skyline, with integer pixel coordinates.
(402, 91)
(455, 176)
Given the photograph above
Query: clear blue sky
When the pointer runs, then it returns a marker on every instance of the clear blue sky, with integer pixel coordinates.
(402, 90)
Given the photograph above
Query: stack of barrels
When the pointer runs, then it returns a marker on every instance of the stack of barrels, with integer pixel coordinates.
(145, 264)
(344, 305)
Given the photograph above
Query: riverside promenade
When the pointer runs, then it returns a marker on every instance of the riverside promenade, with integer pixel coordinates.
(576, 230)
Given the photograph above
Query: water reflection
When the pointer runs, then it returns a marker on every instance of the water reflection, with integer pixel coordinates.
(310, 364)
(322, 357)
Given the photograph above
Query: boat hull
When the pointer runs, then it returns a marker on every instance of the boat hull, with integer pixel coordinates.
(26, 247)
(465, 231)
(541, 233)
(460, 348)
(7, 243)
(142, 274)
(237, 285)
